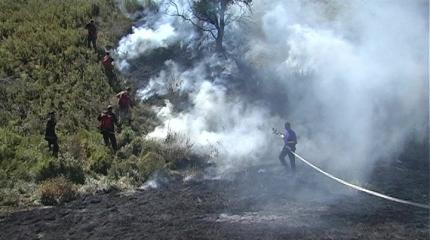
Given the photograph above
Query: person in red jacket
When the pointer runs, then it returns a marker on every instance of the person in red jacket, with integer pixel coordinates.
(125, 104)
(108, 120)
(108, 63)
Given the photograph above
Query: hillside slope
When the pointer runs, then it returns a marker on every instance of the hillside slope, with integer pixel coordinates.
(45, 66)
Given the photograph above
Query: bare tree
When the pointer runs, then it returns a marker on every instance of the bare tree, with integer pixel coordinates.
(212, 16)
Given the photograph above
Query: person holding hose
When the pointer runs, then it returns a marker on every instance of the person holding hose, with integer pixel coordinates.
(290, 141)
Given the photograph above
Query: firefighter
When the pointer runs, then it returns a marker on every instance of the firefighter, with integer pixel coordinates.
(50, 134)
(92, 34)
(108, 120)
(290, 141)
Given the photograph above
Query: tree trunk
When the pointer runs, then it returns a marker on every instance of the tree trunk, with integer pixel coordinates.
(219, 40)
(220, 29)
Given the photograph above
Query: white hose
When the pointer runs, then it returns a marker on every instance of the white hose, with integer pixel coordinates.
(380, 195)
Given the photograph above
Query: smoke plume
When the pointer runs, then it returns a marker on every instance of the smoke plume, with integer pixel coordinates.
(351, 77)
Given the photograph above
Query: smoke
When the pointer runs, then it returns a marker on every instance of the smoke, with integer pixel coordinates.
(350, 76)
(143, 39)
(355, 75)
(158, 30)
(238, 131)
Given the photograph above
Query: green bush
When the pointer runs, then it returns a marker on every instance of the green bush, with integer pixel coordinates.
(126, 136)
(56, 191)
(68, 167)
(132, 6)
(125, 168)
(149, 163)
(137, 168)
(151, 146)
(101, 162)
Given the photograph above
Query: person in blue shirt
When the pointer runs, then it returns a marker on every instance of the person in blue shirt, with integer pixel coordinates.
(290, 140)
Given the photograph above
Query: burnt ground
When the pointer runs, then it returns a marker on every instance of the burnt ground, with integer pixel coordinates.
(259, 203)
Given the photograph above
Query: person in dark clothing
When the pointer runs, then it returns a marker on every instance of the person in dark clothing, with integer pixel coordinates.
(92, 34)
(108, 120)
(50, 134)
(290, 140)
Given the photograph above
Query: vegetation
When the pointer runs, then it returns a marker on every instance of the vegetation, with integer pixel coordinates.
(212, 16)
(46, 66)
(136, 6)
(56, 191)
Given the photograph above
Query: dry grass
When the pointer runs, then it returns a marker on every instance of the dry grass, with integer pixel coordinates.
(56, 191)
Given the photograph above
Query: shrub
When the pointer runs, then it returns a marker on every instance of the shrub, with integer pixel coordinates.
(125, 168)
(132, 6)
(68, 167)
(136, 146)
(126, 136)
(177, 150)
(56, 191)
(149, 163)
(137, 168)
(9, 197)
(151, 146)
(99, 157)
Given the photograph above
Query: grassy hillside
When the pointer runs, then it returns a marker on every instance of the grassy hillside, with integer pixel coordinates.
(45, 66)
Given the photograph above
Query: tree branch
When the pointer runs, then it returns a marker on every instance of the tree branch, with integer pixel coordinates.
(187, 18)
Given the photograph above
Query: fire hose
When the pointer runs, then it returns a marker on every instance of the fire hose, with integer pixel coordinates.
(361, 189)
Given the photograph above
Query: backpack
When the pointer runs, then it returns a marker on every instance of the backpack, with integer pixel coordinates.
(106, 121)
(124, 100)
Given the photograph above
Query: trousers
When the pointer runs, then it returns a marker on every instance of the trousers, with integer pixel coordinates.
(287, 150)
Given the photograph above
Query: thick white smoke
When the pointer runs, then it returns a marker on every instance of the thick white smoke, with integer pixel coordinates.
(237, 130)
(363, 68)
(354, 75)
(158, 30)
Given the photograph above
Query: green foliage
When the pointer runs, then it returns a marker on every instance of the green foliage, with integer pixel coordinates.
(67, 167)
(45, 65)
(149, 163)
(17, 155)
(135, 6)
(87, 146)
(56, 191)
(101, 161)
(126, 136)
(125, 168)
(137, 168)
(132, 6)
